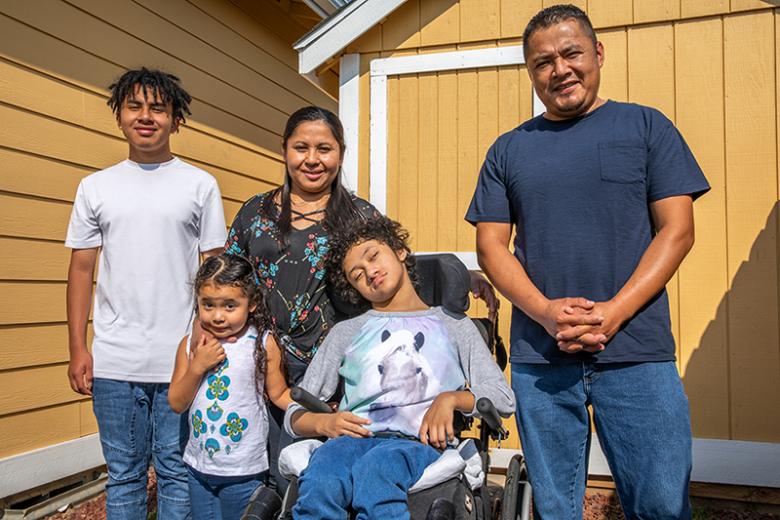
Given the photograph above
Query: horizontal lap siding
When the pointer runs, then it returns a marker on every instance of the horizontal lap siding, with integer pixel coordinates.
(708, 66)
(55, 64)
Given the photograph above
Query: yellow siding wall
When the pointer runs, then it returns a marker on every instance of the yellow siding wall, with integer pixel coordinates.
(56, 59)
(711, 68)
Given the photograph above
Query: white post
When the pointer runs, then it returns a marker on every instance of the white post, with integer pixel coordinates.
(378, 146)
(349, 112)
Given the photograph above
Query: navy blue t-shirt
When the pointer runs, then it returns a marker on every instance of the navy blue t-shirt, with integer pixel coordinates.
(578, 194)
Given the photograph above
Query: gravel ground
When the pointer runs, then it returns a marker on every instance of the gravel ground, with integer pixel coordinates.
(95, 509)
(598, 506)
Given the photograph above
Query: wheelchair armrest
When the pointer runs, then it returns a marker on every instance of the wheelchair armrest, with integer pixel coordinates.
(491, 418)
(308, 401)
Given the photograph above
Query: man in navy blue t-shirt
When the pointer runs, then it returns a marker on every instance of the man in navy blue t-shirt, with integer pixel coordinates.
(600, 194)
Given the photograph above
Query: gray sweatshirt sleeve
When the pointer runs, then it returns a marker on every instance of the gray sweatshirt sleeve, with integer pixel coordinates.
(322, 375)
(482, 373)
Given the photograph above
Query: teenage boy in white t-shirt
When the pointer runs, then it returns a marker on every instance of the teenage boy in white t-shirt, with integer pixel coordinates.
(146, 219)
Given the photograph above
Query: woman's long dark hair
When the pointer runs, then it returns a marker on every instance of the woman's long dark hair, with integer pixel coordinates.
(341, 209)
(237, 271)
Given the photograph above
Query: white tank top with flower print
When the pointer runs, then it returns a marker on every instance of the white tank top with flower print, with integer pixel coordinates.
(228, 419)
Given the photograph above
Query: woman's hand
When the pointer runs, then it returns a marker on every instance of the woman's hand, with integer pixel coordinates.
(436, 428)
(342, 423)
(208, 354)
(482, 289)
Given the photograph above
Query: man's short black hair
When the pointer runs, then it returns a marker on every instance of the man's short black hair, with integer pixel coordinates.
(379, 228)
(556, 14)
(166, 85)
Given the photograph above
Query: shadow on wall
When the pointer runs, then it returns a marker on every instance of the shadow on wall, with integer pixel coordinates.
(733, 377)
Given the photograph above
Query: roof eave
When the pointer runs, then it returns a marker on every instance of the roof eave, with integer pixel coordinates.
(340, 29)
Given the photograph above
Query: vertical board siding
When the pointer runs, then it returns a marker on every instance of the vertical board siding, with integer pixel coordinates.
(401, 31)
(447, 152)
(614, 73)
(425, 23)
(408, 150)
(693, 8)
(479, 20)
(429, 179)
(656, 11)
(515, 15)
(467, 153)
(712, 70)
(439, 20)
(651, 82)
(55, 64)
(704, 275)
(746, 5)
(610, 13)
(751, 209)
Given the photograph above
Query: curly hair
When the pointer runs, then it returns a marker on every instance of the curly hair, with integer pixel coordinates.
(166, 85)
(381, 229)
(237, 271)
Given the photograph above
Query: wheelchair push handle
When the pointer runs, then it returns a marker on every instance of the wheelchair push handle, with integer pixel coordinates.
(490, 416)
(308, 401)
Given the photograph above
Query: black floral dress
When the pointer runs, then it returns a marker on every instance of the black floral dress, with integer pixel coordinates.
(293, 278)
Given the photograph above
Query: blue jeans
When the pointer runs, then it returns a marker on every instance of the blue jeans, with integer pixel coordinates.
(221, 498)
(641, 416)
(136, 424)
(372, 475)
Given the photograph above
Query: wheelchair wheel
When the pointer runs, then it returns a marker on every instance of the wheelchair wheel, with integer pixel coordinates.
(516, 503)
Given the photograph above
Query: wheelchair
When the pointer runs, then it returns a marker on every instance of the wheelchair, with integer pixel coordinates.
(443, 281)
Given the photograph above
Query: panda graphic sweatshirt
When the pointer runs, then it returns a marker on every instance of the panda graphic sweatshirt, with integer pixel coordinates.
(394, 364)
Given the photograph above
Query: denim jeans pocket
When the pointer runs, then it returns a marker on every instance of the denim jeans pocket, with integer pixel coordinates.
(116, 411)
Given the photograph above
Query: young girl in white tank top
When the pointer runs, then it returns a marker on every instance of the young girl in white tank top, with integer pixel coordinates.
(222, 381)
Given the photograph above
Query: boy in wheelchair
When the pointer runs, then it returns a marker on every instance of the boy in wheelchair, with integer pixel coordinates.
(406, 368)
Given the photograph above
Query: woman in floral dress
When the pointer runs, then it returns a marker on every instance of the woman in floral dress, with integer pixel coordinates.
(284, 233)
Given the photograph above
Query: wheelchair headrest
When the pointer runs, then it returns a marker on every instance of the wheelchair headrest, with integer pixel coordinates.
(444, 281)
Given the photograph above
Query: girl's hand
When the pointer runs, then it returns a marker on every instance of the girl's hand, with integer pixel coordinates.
(198, 331)
(343, 423)
(208, 354)
(436, 428)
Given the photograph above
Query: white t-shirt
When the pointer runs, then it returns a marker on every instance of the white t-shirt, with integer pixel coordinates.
(150, 220)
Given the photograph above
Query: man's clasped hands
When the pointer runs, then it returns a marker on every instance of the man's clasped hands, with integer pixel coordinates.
(579, 324)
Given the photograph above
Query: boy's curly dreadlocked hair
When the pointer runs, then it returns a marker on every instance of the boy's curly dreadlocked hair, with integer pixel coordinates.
(381, 229)
(237, 271)
(166, 85)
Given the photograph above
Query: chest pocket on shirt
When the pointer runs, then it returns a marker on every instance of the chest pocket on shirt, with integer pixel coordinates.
(623, 161)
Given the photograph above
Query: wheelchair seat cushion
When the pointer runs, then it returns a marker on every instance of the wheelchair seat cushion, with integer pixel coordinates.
(294, 458)
(453, 463)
